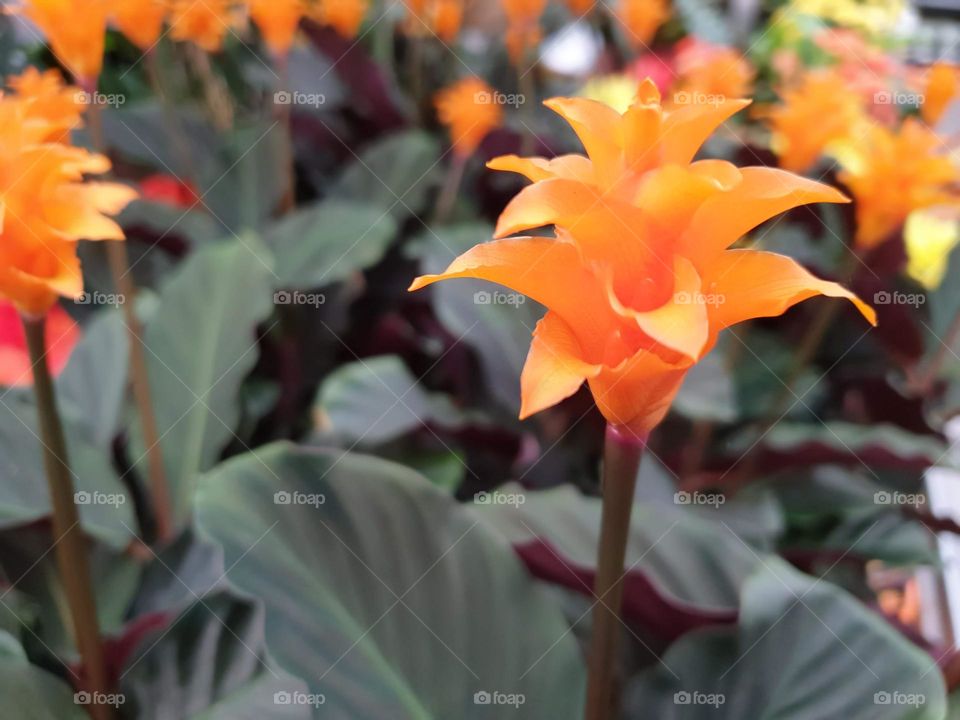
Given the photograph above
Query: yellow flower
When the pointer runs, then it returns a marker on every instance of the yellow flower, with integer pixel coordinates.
(617, 91)
(930, 236)
(642, 18)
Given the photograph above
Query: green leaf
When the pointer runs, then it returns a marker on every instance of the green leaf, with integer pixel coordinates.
(395, 174)
(93, 386)
(30, 693)
(378, 399)
(708, 391)
(803, 650)
(693, 563)
(209, 659)
(366, 592)
(24, 496)
(202, 342)
(327, 242)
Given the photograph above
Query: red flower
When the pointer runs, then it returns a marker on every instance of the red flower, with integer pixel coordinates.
(162, 188)
(62, 335)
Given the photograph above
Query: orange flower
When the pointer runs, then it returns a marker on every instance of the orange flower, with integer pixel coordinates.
(75, 32)
(639, 280)
(469, 109)
(642, 18)
(942, 84)
(437, 17)
(49, 101)
(278, 21)
(712, 70)
(61, 336)
(891, 174)
(205, 23)
(344, 16)
(140, 20)
(447, 18)
(581, 7)
(47, 208)
(523, 26)
(820, 109)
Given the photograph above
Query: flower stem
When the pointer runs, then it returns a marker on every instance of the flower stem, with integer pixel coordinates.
(71, 551)
(451, 187)
(285, 118)
(123, 281)
(621, 460)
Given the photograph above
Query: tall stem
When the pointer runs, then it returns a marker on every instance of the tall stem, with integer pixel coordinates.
(70, 548)
(123, 281)
(451, 187)
(285, 118)
(621, 460)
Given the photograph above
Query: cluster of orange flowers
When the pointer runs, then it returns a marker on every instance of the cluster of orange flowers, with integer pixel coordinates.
(45, 205)
(77, 38)
(638, 278)
(892, 166)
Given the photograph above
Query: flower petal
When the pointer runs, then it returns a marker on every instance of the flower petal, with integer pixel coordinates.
(752, 284)
(599, 128)
(761, 194)
(681, 324)
(606, 230)
(572, 167)
(554, 369)
(637, 393)
(545, 270)
(687, 127)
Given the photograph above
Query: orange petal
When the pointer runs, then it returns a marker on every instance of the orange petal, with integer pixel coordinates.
(554, 369)
(762, 194)
(752, 283)
(681, 324)
(599, 128)
(687, 127)
(605, 229)
(637, 393)
(572, 167)
(547, 271)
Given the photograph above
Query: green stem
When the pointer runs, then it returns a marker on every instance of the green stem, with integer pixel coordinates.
(70, 547)
(621, 461)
